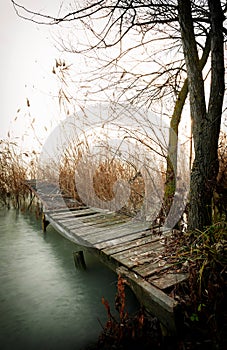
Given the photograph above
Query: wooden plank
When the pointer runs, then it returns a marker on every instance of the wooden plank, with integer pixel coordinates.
(74, 218)
(105, 221)
(74, 223)
(88, 220)
(82, 230)
(103, 236)
(79, 228)
(135, 243)
(109, 224)
(84, 218)
(102, 220)
(88, 228)
(98, 217)
(138, 259)
(142, 249)
(120, 240)
(119, 231)
(68, 234)
(166, 309)
(66, 210)
(74, 214)
(64, 213)
(149, 268)
(168, 279)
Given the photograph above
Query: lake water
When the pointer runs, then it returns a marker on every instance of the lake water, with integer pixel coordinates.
(45, 302)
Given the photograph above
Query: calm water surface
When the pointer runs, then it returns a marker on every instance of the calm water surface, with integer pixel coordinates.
(45, 303)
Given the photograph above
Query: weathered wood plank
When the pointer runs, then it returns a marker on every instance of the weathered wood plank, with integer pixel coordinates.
(68, 234)
(102, 220)
(105, 221)
(74, 214)
(79, 229)
(139, 258)
(88, 228)
(121, 240)
(65, 210)
(61, 214)
(103, 236)
(112, 232)
(141, 250)
(147, 238)
(149, 268)
(168, 279)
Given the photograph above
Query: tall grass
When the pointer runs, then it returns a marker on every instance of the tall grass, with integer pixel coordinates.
(14, 170)
(103, 179)
(104, 172)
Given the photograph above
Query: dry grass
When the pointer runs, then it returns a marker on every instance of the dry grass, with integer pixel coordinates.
(109, 172)
(102, 173)
(102, 176)
(13, 172)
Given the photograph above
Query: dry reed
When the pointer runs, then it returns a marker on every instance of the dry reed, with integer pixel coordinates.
(13, 172)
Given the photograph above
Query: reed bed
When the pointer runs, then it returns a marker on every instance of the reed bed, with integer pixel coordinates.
(102, 177)
(15, 168)
(98, 176)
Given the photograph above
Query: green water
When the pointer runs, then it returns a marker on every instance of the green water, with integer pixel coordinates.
(45, 303)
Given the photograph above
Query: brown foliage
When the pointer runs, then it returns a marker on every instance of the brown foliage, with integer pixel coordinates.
(126, 331)
(13, 173)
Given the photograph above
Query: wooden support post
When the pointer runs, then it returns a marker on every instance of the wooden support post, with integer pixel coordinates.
(45, 222)
(79, 260)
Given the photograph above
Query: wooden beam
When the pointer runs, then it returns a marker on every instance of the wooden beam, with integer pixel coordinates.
(159, 304)
(79, 260)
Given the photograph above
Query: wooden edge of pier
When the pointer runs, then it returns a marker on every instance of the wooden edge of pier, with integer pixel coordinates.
(158, 303)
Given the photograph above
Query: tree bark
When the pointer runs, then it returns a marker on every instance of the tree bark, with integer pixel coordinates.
(206, 124)
(171, 172)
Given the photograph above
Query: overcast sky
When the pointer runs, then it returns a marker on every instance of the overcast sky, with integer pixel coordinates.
(27, 57)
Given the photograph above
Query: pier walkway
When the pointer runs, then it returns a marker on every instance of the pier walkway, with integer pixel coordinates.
(131, 248)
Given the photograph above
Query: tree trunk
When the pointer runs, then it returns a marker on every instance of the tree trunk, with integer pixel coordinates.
(171, 172)
(206, 124)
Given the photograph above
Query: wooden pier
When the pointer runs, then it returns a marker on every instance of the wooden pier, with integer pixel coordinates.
(131, 248)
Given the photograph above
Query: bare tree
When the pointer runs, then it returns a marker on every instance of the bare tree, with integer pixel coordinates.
(206, 122)
(197, 26)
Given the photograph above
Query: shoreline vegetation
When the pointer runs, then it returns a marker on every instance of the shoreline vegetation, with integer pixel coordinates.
(200, 253)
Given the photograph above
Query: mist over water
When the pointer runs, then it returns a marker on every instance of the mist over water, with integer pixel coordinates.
(45, 303)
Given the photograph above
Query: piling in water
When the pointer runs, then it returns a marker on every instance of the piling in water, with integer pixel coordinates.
(79, 260)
